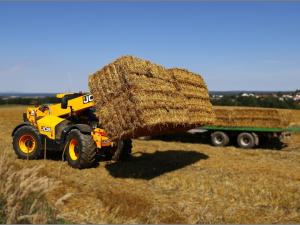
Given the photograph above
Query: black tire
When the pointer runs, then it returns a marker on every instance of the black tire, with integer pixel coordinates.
(80, 154)
(27, 139)
(219, 139)
(123, 151)
(246, 140)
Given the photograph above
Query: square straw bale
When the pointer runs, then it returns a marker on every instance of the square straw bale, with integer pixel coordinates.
(251, 117)
(134, 97)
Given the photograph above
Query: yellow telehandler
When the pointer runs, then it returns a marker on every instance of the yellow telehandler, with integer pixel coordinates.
(70, 127)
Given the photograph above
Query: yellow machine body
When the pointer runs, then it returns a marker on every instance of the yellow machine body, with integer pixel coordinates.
(46, 117)
(47, 124)
(100, 138)
(70, 127)
(76, 104)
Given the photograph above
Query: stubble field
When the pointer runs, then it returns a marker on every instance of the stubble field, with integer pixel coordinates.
(171, 182)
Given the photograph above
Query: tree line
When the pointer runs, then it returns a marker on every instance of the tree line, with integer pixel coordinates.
(252, 101)
(28, 101)
(227, 100)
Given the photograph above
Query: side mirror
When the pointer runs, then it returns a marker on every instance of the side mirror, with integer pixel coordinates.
(64, 102)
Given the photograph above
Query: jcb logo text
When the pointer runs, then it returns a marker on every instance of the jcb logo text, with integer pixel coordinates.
(87, 99)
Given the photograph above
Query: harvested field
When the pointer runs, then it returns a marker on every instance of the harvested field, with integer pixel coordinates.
(173, 182)
(135, 97)
(251, 117)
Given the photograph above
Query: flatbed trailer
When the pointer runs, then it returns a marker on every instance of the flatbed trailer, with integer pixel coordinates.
(245, 137)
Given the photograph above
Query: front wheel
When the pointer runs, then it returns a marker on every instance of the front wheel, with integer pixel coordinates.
(123, 150)
(81, 150)
(27, 143)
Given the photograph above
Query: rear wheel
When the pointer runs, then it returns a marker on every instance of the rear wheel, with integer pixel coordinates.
(219, 138)
(246, 140)
(27, 143)
(123, 150)
(81, 150)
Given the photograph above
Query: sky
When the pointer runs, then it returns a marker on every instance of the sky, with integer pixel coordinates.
(54, 46)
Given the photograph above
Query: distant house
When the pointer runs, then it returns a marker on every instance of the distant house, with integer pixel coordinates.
(248, 95)
(287, 96)
(297, 97)
(217, 96)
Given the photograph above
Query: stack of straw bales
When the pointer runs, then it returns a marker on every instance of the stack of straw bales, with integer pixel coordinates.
(251, 117)
(134, 97)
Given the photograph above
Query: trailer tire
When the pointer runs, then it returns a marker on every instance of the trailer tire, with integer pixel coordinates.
(219, 139)
(246, 140)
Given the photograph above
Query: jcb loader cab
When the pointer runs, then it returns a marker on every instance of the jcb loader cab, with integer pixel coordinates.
(70, 127)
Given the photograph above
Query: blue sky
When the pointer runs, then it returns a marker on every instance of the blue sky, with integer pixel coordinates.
(53, 46)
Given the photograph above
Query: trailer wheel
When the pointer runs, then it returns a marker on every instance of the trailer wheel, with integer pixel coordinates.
(81, 150)
(219, 139)
(246, 140)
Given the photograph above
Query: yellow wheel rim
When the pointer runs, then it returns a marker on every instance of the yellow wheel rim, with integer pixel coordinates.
(27, 143)
(73, 152)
